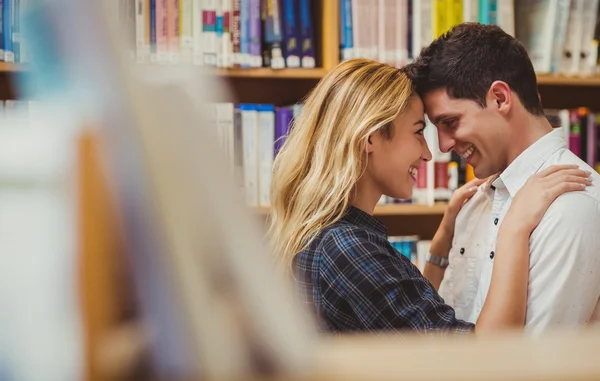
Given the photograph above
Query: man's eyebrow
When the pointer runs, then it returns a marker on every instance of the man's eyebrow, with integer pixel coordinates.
(441, 117)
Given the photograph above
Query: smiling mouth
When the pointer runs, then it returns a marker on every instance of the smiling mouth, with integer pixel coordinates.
(413, 172)
(466, 154)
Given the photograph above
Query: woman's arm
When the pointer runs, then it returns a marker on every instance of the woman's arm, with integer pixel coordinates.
(506, 302)
(442, 240)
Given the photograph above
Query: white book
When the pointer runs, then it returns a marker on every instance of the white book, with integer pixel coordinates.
(506, 15)
(209, 38)
(572, 48)
(266, 140)
(382, 52)
(225, 127)
(536, 20)
(416, 28)
(142, 55)
(250, 152)
(197, 50)
(470, 10)
(587, 37)
(186, 38)
(401, 52)
(374, 19)
(226, 44)
(565, 124)
(560, 35)
(218, 36)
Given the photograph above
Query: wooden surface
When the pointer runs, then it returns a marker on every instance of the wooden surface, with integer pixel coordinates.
(559, 356)
(399, 209)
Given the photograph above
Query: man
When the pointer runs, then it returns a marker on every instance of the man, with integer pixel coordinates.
(479, 89)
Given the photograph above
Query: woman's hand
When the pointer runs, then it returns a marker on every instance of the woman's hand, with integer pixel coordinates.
(458, 199)
(540, 191)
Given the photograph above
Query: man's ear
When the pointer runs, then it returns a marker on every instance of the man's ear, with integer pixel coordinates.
(500, 96)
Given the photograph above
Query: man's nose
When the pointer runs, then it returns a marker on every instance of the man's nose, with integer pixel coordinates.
(446, 142)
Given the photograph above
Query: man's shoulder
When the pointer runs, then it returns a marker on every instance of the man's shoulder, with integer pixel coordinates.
(591, 195)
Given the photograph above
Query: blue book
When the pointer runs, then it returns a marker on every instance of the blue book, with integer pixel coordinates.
(245, 33)
(291, 41)
(153, 26)
(273, 36)
(306, 35)
(9, 55)
(1, 30)
(346, 21)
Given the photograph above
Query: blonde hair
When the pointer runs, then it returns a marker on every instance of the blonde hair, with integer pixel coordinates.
(324, 155)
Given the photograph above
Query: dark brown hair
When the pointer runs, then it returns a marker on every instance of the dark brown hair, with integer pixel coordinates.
(468, 58)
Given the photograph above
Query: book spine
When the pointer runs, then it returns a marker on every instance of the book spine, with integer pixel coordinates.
(173, 30)
(235, 33)
(592, 140)
(16, 29)
(9, 55)
(162, 48)
(197, 34)
(153, 47)
(283, 122)
(245, 57)
(186, 39)
(266, 137)
(347, 32)
(255, 34)
(306, 33)
(209, 33)
(226, 48)
(291, 48)
(250, 152)
(2, 30)
(574, 133)
(219, 34)
(273, 34)
(139, 30)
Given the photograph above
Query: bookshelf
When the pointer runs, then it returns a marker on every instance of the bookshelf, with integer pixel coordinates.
(289, 85)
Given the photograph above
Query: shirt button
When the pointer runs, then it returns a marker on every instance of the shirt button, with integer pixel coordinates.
(496, 221)
(462, 250)
(492, 255)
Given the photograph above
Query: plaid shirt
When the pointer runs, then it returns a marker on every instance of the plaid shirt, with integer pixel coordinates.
(354, 280)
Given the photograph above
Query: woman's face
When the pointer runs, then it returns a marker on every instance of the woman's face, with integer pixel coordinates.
(394, 162)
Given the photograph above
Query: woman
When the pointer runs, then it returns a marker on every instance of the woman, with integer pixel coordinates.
(360, 135)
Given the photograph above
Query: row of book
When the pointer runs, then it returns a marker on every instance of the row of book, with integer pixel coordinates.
(221, 33)
(560, 36)
(412, 247)
(250, 136)
(581, 129)
(13, 47)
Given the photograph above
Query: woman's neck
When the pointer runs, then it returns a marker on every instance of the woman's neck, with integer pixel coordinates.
(365, 196)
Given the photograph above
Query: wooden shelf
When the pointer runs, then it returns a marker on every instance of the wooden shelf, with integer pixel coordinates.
(398, 210)
(560, 80)
(266, 73)
(11, 67)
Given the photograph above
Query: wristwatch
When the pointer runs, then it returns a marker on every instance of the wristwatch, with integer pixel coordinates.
(437, 260)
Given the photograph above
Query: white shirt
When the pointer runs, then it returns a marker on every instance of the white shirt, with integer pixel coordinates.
(564, 272)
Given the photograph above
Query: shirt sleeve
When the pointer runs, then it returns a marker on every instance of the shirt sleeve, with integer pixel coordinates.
(564, 276)
(363, 283)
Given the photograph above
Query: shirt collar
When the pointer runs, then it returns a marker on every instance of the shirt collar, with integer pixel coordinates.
(364, 220)
(529, 162)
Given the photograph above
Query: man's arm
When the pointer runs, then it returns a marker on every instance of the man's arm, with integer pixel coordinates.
(564, 278)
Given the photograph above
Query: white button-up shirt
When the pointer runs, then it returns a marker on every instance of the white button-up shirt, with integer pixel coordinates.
(564, 272)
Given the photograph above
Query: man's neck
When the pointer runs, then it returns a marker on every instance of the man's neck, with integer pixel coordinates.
(525, 132)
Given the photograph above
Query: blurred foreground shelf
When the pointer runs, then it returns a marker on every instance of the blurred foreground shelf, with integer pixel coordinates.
(399, 210)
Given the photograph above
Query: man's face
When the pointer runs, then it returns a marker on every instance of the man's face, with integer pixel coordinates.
(477, 134)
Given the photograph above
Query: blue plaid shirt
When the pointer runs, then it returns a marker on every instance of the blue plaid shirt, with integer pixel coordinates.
(354, 280)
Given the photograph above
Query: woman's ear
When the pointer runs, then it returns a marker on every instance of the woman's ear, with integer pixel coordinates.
(370, 146)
